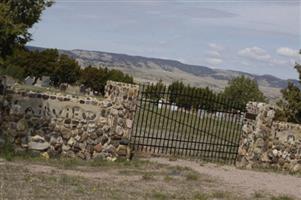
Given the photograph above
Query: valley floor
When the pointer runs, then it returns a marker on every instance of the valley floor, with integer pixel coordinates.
(153, 178)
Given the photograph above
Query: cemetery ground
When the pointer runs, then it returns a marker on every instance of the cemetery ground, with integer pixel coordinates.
(142, 178)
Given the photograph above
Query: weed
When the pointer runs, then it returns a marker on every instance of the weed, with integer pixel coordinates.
(192, 177)
(168, 178)
(148, 176)
(7, 150)
(220, 195)
(282, 197)
(159, 196)
(258, 195)
(200, 196)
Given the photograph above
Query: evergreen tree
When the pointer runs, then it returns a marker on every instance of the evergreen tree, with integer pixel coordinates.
(242, 90)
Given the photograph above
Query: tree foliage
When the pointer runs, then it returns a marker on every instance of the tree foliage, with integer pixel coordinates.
(96, 78)
(242, 90)
(16, 18)
(290, 104)
(60, 68)
(67, 70)
(155, 91)
(289, 107)
(23, 63)
(182, 95)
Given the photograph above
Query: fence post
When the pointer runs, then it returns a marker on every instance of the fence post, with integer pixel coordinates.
(256, 136)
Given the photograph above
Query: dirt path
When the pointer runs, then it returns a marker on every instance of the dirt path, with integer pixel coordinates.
(244, 181)
(80, 171)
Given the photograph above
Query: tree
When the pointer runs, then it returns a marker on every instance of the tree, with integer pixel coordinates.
(117, 75)
(94, 78)
(16, 18)
(155, 91)
(290, 104)
(242, 90)
(41, 63)
(14, 64)
(289, 107)
(66, 71)
(36, 64)
(175, 89)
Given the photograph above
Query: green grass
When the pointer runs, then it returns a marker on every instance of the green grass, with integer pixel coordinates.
(221, 195)
(159, 196)
(171, 126)
(73, 163)
(201, 196)
(282, 197)
(7, 150)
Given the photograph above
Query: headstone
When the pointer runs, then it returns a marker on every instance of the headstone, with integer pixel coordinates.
(174, 107)
(28, 80)
(63, 86)
(160, 104)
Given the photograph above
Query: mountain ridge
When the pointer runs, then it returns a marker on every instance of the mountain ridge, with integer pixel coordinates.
(149, 69)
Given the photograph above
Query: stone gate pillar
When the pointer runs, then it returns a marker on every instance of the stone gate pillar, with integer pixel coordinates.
(257, 135)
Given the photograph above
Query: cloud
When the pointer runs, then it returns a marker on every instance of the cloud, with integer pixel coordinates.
(214, 61)
(216, 47)
(255, 53)
(279, 62)
(288, 52)
(215, 54)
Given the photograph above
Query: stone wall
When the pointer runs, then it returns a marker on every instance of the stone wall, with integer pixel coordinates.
(72, 126)
(269, 144)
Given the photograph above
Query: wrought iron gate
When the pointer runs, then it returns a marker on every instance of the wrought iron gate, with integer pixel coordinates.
(190, 122)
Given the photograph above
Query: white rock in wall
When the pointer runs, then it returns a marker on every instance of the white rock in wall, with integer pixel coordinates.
(38, 146)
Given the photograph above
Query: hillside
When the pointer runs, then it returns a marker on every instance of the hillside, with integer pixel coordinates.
(145, 69)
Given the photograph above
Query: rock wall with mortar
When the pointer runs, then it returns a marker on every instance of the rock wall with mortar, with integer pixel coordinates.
(58, 125)
(267, 143)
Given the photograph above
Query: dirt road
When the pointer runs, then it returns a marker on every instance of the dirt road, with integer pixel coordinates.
(244, 181)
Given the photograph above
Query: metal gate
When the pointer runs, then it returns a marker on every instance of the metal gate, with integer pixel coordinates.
(187, 122)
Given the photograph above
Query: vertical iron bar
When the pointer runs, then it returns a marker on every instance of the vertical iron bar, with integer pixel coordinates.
(209, 140)
(211, 128)
(192, 122)
(172, 128)
(239, 132)
(205, 136)
(183, 126)
(224, 130)
(157, 140)
(161, 127)
(168, 133)
(144, 121)
(220, 124)
(137, 136)
(179, 114)
(152, 115)
(199, 131)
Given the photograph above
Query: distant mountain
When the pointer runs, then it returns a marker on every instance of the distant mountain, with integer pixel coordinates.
(145, 69)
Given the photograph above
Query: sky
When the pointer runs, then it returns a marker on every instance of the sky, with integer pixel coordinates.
(255, 36)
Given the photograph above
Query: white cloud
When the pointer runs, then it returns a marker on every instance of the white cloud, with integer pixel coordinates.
(279, 62)
(288, 52)
(255, 53)
(214, 61)
(216, 47)
(214, 54)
